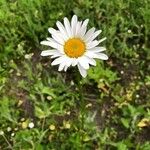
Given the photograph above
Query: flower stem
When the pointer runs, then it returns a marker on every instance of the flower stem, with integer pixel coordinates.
(82, 106)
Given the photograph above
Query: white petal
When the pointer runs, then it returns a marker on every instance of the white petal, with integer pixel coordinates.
(48, 52)
(103, 39)
(50, 39)
(74, 62)
(68, 61)
(83, 28)
(74, 24)
(85, 23)
(82, 71)
(57, 37)
(92, 44)
(91, 61)
(90, 54)
(58, 60)
(78, 29)
(89, 34)
(96, 55)
(94, 36)
(60, 48)
(101, 56)
(82, 32)
(62, 29)
(67, 27)
(61, 66)
(50, 42)
(97, 49)
(47, 43)
(83, 62)
(52, 30)
(56, 55)
(56, 33)
(65, 68)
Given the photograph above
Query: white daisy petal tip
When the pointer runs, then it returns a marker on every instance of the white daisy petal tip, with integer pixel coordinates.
(86, 21)
(103, 39)
(82, 71)
(43, 54)
(42, 42)
(75, 17)
(72, 45)
(106, 57)
(102, 56)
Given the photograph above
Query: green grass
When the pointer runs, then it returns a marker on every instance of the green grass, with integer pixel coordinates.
(115, 94)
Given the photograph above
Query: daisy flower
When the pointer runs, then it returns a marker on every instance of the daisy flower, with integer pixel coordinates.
(72, 45)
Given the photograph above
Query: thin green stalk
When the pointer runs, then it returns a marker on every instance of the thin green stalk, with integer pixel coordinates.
(82, 106)
(10, 146)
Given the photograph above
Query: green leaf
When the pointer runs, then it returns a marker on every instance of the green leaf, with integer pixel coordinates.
(125, 122)
(39, 112)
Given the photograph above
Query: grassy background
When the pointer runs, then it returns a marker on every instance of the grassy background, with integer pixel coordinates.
(116, 92)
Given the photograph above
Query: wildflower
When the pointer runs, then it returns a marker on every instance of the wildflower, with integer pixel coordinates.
(67, 125)
(28, 56)
(1, 132)
(137, 95)
(122, 72)
(129, 31)
(31, 125)
(24, 124)
(52, 127)
(18, 74)
(68, 112)
(16, 129)
(9, 129)
(73, 45)
(88, 105)
(12, 134)
(20, 102)
(144, 122)
(22, 119)
(49, 97)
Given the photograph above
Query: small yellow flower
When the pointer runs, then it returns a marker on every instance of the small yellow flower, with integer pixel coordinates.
(68, 112)
(67, 125)
(18, 74)
(52, 127)
(20, 103)
(22, 119)
(24, 124)
(88, 105)
(144, 122)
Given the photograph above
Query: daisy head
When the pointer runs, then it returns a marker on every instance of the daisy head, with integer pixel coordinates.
(72, 45)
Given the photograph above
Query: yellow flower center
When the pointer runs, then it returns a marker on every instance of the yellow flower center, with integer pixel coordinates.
(74, 48)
